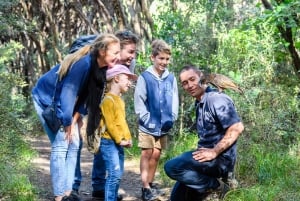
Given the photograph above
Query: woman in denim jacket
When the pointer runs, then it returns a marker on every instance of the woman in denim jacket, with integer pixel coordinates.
(77, 84)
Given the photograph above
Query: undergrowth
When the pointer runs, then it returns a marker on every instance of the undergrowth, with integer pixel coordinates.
(15, 153)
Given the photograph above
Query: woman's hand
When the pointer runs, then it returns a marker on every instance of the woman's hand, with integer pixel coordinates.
(68, 134)
(71, 131)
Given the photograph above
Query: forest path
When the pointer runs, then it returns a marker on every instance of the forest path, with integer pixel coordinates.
(130, 186)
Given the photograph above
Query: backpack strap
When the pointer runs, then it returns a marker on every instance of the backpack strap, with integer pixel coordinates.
(81, 42)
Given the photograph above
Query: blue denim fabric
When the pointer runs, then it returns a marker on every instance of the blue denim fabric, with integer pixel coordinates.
(180, 192)
(98, 173)
(63, 157)
(196, 175)
(70, 86)
(78, 176)
(113, 157)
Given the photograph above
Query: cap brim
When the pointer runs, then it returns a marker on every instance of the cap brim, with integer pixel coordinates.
(132, 77)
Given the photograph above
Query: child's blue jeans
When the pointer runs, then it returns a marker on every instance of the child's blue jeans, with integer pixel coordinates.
(113, 159)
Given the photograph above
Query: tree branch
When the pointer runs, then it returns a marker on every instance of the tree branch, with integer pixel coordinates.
(287, 35)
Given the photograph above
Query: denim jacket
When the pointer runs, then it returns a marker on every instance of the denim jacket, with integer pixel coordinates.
(67, 90)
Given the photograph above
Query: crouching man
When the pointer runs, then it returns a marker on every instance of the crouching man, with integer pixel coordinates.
(198, 172)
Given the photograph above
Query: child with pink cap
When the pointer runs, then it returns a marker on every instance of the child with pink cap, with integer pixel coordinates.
(115, 134)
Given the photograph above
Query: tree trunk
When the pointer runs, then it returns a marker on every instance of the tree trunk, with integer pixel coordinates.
(287, 35)
(47, 28)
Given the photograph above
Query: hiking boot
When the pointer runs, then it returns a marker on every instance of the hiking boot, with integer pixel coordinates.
(222, 189)
(98, 195)
(148, 194)
(210, 196)
(155, 188)
(232, 181)
(71, 197)
(193, 195)
(65, 198)
(74, 196)
(153, 185)
(75, 192)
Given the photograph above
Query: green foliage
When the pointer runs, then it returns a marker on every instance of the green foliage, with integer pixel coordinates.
(283, 14)
(6, 53)
(213, 35)
(275, 169)
(256, 58)
(15, 153)
(187, 36)
(7, 19)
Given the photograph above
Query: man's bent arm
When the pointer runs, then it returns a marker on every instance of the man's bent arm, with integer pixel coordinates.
(231, 135)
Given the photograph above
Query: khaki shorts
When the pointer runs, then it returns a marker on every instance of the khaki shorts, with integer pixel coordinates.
(147, 141)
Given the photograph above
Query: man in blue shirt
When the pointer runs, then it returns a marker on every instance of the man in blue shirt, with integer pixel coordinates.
(218, 125)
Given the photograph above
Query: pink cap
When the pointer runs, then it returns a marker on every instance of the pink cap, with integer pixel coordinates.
(119, 69)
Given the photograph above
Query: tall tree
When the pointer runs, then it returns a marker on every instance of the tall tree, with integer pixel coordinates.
(47, 28)
(285, 23)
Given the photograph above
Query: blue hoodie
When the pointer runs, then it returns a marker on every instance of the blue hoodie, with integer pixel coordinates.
(156, 102)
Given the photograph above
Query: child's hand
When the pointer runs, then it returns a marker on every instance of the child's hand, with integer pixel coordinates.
(126, 143)
(129, 143)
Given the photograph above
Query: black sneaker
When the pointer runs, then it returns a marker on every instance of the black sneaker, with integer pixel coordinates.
(74, 196)
(153, 185)
(148, 194)
(65, 198)
(71, 197)
(98, 195)
(75, 192)
(155, 188)
(120, 197)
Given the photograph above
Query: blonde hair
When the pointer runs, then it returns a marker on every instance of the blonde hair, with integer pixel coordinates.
(101, 43)
(109, 83)
(159, 46)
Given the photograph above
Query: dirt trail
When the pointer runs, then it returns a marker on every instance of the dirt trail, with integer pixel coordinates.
(130, 185)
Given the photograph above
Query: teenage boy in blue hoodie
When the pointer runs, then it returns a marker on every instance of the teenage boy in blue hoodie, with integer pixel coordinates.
(156, 104)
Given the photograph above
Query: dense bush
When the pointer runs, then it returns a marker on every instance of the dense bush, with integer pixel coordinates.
(254, 57)
(235, 39)
(15, 153)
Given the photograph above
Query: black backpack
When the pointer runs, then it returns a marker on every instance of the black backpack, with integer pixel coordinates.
(82, 41)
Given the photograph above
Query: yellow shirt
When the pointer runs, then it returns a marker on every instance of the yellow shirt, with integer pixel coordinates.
(114, 118)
